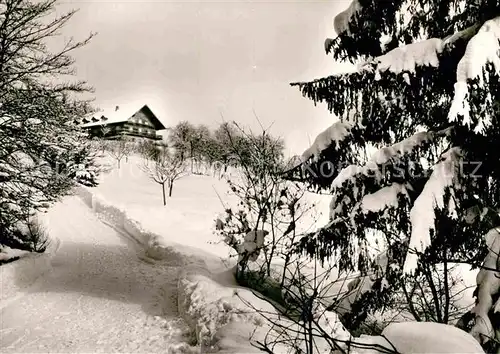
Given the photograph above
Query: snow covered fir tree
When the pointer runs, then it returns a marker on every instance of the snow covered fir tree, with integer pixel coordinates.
(42, 151)
(411, 159)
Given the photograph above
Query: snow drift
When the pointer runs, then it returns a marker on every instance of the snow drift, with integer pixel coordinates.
(220, 320)
(152, 244)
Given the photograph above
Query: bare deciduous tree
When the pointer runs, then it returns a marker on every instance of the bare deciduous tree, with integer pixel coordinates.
(119, 149)
(164, 168)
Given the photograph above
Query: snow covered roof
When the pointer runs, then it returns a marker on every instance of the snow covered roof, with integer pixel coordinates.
(121, 114)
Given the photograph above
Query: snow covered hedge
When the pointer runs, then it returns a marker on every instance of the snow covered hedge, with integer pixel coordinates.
(213, 311)
(152, 244)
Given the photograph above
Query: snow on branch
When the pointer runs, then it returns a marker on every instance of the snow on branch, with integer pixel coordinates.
(351, 183)
(385, 197)
(432, 197)
(334, 134)
(341, 21)
(390, 68)
(385, 154)
(482, 49)
(336, 146)
(407, 58)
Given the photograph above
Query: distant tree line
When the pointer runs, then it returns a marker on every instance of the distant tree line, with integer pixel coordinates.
(228, 144)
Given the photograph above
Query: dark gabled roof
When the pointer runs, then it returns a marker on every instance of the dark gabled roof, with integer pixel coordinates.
(154, 119)
(123, 115)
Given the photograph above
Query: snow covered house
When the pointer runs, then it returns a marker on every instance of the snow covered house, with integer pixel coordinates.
(130, 122)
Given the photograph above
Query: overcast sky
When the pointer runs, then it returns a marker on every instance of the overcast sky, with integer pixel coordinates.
(195, 60)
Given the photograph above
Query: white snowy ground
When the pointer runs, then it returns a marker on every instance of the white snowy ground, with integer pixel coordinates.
(100, 296)
(104, 295)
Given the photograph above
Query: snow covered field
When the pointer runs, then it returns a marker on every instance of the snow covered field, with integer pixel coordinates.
(104, 294)
(187, 219)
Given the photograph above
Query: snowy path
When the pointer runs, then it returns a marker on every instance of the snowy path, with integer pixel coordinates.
(100, 297)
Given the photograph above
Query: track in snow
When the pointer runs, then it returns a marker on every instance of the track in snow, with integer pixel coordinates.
(100, 297)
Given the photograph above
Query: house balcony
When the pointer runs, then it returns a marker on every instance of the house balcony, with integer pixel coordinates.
(152, 136)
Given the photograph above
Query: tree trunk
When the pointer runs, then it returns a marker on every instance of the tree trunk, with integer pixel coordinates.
(191, 148)
(446, 290)
(163, 191)
(170, 186)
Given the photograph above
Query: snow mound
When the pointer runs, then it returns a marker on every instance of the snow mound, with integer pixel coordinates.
(416, 337)
(7, 253)
(214, 311)
(227, 319)
(430, 337)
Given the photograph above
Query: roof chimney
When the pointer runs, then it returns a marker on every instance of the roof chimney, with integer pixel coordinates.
(117, 108)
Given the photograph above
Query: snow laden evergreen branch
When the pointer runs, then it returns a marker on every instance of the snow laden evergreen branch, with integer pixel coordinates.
(320, 163)
(473, 78)
(401, 162)
(415, 70)
(359, 27)
(399, 92)
(371, 193)
(352, 28)
(422, 215)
